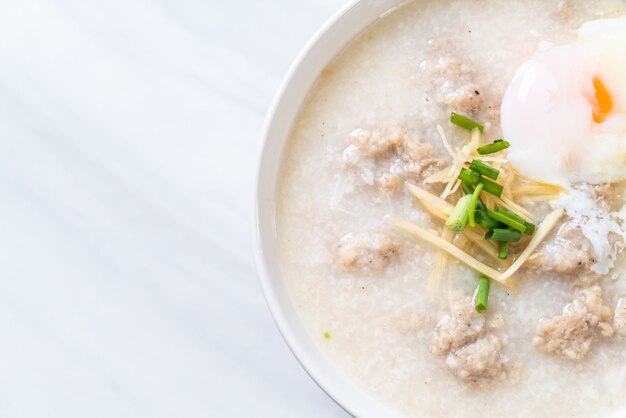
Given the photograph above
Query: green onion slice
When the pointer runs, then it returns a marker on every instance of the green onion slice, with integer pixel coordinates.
(465, 122)
(503, 250)
(501, 234)
(484, 169)
(485, 221)
(530, 227)
(507, 218)
(468, 189)
(511, 215)
(492, 187)
(460, 214)
(470, 177)
(496, 146)
(473, 203)
(481, 296)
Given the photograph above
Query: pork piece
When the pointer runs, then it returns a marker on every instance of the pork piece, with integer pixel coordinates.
(376, 143)
(473, 353)
(608, 196)
(599, 193)
(567, 252)
(465, 98)
(418, 158)
(603, 192)
(567, 11)
(366, 252)
(461, 327)
(571, 334)
(454, 80)
(619, 320)
(480, 360)
(384, 158)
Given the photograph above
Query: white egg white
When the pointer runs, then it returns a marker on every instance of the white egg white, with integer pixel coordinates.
(547, 110)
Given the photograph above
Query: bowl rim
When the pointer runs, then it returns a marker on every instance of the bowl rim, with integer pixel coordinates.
(278, 314)
(351, 398)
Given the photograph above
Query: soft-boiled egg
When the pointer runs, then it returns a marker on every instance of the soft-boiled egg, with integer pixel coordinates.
(564, 112)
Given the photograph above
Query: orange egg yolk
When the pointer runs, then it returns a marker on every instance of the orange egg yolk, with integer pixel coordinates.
(602, 101)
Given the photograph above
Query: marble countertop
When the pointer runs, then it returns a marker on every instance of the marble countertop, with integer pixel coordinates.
(128, 139)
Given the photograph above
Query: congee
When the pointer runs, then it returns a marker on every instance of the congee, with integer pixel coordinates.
(450, 211)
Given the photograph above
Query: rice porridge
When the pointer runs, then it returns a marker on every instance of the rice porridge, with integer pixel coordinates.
(370, 156)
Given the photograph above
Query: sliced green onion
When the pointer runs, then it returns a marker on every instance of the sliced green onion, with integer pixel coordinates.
(511, 215)
(497, 145)
(474, 177)
(530, 228)
(470, 177)
(509, 219)
(460, 214)
(501, 234)
(484, 169)
(473, 203)
(467, 189)
(492, 187)
(485, 221)
(465, 122)
(481, 296)
(503, 250)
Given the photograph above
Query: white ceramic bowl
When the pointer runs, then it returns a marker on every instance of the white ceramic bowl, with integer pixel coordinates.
(324, 46)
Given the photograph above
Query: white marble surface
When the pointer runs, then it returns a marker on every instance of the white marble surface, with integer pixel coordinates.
(128, 138)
